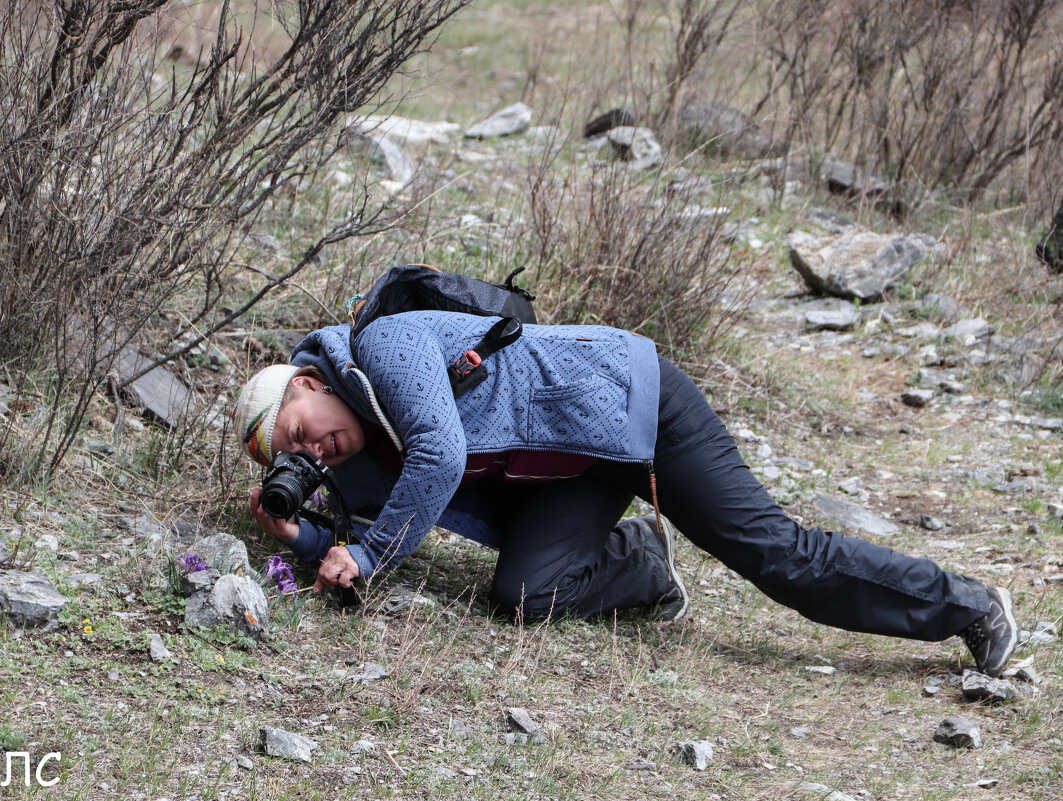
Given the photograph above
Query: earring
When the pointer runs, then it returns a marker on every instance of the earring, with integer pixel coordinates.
(327, 389)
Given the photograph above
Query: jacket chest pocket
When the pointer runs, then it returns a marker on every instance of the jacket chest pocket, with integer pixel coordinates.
(589, 414)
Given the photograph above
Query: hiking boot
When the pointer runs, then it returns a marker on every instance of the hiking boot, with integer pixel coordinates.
(674, 603)
(993, 637)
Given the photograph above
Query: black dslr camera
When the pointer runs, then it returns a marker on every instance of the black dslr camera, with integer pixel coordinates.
(290, 480)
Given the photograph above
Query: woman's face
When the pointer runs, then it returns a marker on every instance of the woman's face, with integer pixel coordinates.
(317, 422)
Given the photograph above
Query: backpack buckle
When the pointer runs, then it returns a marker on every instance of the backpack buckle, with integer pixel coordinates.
(467, 372)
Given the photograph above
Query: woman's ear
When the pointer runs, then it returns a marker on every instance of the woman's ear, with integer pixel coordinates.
(307, 382)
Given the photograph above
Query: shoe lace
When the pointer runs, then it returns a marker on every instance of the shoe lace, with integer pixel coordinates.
(974, 635)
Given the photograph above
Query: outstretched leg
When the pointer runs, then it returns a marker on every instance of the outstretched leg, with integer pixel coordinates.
(713, 498)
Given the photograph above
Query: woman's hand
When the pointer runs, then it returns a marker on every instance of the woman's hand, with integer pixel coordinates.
(338, 568)
(283, 530)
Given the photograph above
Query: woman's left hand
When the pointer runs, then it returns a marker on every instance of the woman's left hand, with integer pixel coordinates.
(338, 568)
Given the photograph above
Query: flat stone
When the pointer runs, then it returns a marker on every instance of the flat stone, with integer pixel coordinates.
(518, 720)
(979, 687)
(839, 320)
(407, 131)
(29, 600)
(931, 523)
(157, 649)
(697, 754)
(959, 733)
(917, 398)
(159, 391)
(510, 120)
(968, 332)
(824, 793)
(851, 516)
(84, 579)
(371, 671)
(285, 744)
(47, 542)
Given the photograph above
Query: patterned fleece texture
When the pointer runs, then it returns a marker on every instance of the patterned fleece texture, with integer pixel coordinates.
(576, 389)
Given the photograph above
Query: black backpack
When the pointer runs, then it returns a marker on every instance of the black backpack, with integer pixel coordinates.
(420, 287)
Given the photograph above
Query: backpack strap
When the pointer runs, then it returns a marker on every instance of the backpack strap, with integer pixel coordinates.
(468, 371)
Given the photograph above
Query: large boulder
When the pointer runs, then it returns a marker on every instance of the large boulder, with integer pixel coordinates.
(29, 600)
(236, 602)
(855, 265)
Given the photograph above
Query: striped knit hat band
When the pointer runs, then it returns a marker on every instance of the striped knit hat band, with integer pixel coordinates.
(257, 408)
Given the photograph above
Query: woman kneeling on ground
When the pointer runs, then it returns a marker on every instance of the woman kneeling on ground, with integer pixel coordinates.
(541, 460)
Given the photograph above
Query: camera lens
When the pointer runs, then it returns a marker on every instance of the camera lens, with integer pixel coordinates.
(283, 495)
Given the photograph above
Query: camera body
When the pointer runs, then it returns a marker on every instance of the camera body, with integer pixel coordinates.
(290, 480)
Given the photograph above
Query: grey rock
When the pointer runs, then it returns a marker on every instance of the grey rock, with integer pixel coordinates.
(47, 542)
(29, 600)
(286, 745)
(835, 223)
(113, 675)
(407, 131)
(839, 320)
(959, 733)
(850, 516)
(148, 531)
(725, 129)
(697, 754)
(799, 732)
(518, 720)
(244, 762)
(979, 687)
(931, 523)
(225, 553)
(5, 554)
(642, 764)
(235, 601)
(199, 581)
(84, 579)
(844, 176)
(371, 671)
(940, 306)
(400, 166)
(854, 265)
(917, 398)
(968, 332)
(159, 391)
(401, 599)
(824, 793)
(636, 145)
(510, 120)
(1055, 510)
(157, 649)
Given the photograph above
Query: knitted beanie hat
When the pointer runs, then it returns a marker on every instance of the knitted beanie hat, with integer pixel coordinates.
(256, 410)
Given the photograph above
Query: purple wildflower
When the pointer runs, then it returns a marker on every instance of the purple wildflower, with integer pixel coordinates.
(193, 563)
(277, 568)
(319, 500)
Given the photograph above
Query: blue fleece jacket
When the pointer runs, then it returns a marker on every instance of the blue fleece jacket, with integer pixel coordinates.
(577, 389)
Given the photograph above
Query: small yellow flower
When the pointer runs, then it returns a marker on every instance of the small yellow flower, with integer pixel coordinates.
(85, 622)
(88, 629)
(221, 659)
(62, 639)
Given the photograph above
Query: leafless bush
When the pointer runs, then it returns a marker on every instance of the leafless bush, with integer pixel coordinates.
(124, 179)
(612, 250)
(931, 93)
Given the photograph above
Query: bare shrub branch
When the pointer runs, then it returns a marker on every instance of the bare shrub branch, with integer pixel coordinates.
(124, 179)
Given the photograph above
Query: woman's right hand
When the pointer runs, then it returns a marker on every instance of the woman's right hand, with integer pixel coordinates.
(283, 530)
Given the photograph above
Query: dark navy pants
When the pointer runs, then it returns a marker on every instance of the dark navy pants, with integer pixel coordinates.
(564, 552)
